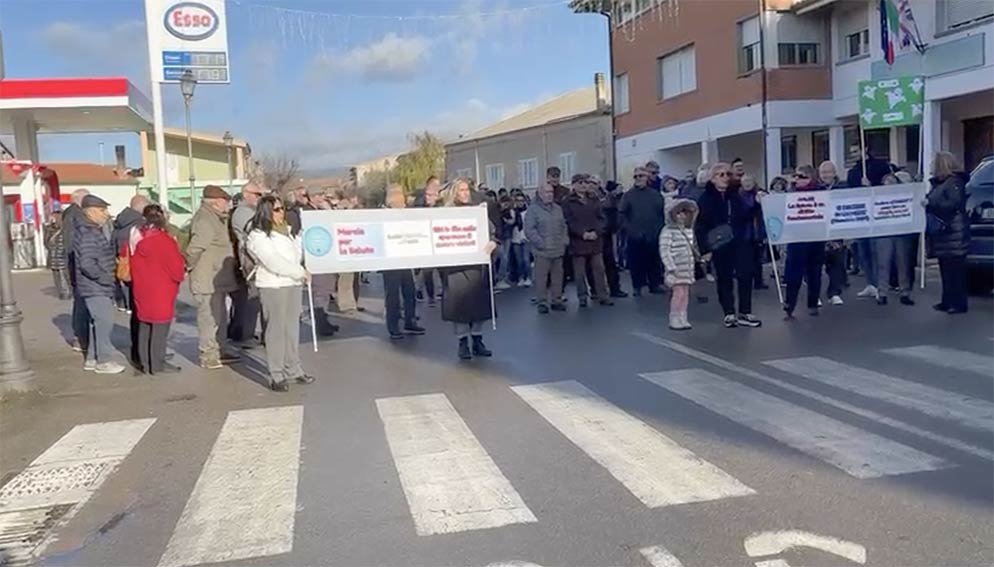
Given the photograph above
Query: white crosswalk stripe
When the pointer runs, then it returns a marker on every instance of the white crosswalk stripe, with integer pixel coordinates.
(958, 408)
(450, 482)
(653, 467)
(54, 486)
(857, 452)
(244, 502)
(659, 556)
(953, 359)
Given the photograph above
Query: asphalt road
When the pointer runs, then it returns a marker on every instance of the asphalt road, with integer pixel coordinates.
(594, 437)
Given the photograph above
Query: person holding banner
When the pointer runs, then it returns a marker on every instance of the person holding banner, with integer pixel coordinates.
(948, 230)
(835, 251)
(280, 276)
(894, 248)
(467, 299)
(804, 259)
(399, 283)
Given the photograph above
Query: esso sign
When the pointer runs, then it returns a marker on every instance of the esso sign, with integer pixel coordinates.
(191, 21)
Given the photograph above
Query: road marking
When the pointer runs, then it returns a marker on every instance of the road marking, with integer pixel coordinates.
(653, 467)
(773, 543)
(857, 452)
(659, 556)
(856, 410)
(450, 482)
(971, 412)
(244, 502)
(54, 486)
(948, 358)
(773, 563)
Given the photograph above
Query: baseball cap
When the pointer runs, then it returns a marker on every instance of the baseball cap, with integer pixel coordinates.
(92, 201)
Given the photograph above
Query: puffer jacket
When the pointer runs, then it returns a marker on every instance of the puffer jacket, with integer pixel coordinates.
(94, 259)
(55, 244)
(947, 202)
(676, 245)
(545, 228)
(210, 256)
(278, 259)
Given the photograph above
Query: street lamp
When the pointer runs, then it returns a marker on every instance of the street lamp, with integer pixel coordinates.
(229, 142)
(187, 84)
(15, 372)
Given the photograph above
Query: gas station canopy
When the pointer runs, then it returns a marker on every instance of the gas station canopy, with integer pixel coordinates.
(73, 105)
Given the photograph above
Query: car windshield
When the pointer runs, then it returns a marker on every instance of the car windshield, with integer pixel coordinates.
(980, 202)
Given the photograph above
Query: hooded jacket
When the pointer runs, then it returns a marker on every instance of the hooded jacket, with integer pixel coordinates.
(157, 269)
(677, 248)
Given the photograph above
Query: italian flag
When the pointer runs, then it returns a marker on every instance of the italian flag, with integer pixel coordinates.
(890, 25)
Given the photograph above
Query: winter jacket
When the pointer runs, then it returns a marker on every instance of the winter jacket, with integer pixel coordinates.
(677, 246)
(610, 207)
(55, 244)
(584, 215)
(71, 216)
(876, 170)
(125, 221)
(210, 256)
(157, 269)
(545, 228)
(559, 193)
(467, 290)
(278, 259)
(95, 260)
(728, 207)
(508, 220)
(946, 202)
(642, 215)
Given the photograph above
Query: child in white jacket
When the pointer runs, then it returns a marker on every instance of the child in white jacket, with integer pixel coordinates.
(679, 254)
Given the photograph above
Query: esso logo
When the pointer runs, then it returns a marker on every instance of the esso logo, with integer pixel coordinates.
(191, 21)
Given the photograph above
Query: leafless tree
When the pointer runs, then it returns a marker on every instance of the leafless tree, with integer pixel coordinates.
(278, 171)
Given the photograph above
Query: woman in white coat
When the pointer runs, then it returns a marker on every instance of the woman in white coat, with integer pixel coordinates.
(279, 275)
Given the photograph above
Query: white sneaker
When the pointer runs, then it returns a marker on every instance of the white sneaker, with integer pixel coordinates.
(868, 291)
(685, 324)
(502, 285)
(820, 304)
(525, 283)
(836, 300)
(90, 365)
(109, 368)
(709, 278)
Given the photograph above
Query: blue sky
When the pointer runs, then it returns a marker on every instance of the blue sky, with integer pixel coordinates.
(330, 82)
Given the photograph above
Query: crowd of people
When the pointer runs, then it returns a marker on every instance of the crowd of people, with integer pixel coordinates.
(246, 269)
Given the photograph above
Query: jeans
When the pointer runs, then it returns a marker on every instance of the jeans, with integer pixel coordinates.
(954, 282)
(804, 262)
(101, 311)
(397, 284)
(733, 264)
(595, 263)
(867, 249)
(152, 346)
(281, 308)
(522, 260)
(644, 262)
(503, 260)
(80, 322)
(465, 330)
(211, 319)
(835, 267)
(547, 269)
(427, 276)
(897, 248)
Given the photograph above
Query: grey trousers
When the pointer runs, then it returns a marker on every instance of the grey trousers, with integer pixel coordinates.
(281, 309)
(348, 293)
(464, 330)
(898, 248)
(596, 262)
(212, 315)
(544, 268)
(100, 349)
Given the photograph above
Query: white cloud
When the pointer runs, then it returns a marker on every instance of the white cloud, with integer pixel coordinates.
(392, 59)
(118, 49)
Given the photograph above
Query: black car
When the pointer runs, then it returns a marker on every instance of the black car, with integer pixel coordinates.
(980, 208)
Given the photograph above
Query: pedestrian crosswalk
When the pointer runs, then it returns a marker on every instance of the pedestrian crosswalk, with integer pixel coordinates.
(245, 501)
(952, 359)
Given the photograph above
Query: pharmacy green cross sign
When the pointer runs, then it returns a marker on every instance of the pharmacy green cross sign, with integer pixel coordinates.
(891, 102)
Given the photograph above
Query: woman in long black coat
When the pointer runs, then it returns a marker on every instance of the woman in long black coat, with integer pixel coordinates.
(949, 230)
(466, 299)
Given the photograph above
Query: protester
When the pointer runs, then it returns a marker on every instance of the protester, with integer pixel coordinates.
(505, 231)
(750, 190)
(94, 265)
(245, 307)
(894, 248)
(876, 169)
(545, 228)
(552, 177)
(466, 300)
(654, 181)
(347, 293)
(779, 185)
(725, 231)
(157, 269)
(948, 230)
(669, 190)
(280, 277)
(585, 224)
(323, 285)
(55, 245)
(399, 284)
(836, 252)
(804, 259)
(679, 256)
(72, 216)
(426, 276)
(295, 201)
(212, 266)
(694, 190)
(520, 249)
(738, 170)
(128, 219)
(642, 216)
(610, 201)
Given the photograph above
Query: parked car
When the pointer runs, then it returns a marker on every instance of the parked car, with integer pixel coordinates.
(980, 208)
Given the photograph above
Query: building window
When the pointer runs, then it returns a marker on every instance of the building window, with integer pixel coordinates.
(819, 147)
(912, 137)
(788, 153)
(528, 173)
(954, 14)
(624, 11)
(495, 176)
(463, 173)
(567, 165)
(798, 54)
(677, 72)
(750, 57)
(621, 93)
(857, 44)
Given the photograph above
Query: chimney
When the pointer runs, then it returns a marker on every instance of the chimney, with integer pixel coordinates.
(122, 167)
(600, 88)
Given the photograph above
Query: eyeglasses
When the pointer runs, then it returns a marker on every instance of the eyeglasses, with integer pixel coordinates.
(277, 209)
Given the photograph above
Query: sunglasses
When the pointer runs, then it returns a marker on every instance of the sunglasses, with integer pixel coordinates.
(641, 176)
(277, 209)
(721, 174)
(799, 176)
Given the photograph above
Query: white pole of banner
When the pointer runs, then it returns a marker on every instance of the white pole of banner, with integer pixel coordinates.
(776, 273)
(310, 304)
(921, 175)
(493, 304)
(862, 148)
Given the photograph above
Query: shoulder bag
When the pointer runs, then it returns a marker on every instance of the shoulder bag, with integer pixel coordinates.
(722, 234)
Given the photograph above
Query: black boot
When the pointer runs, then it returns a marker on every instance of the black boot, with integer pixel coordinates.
(464, 353)
(322, 325)
(480, 349)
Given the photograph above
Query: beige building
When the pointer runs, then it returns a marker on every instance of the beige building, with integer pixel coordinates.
(571, 131)
(359, 171)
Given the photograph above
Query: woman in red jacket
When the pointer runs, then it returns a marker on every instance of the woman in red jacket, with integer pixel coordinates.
(157, 268)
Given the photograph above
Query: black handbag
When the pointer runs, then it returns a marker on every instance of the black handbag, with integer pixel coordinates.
(722, 234)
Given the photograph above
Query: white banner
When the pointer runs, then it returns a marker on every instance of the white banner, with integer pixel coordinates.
(390, 239)
(843, 214)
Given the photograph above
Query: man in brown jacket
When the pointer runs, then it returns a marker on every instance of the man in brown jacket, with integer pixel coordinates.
(211, 262)
(586, 223)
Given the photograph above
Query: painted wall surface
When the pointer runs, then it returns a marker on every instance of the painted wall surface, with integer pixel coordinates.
(210, 162)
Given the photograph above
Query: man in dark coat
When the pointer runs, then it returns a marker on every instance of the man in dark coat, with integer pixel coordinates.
(72, 216)
(586, 225)
(610, 199)
(641, 214)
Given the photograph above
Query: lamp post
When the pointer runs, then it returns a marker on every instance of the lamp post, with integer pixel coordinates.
(187, 84)
(229, 142)
(15, 372)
